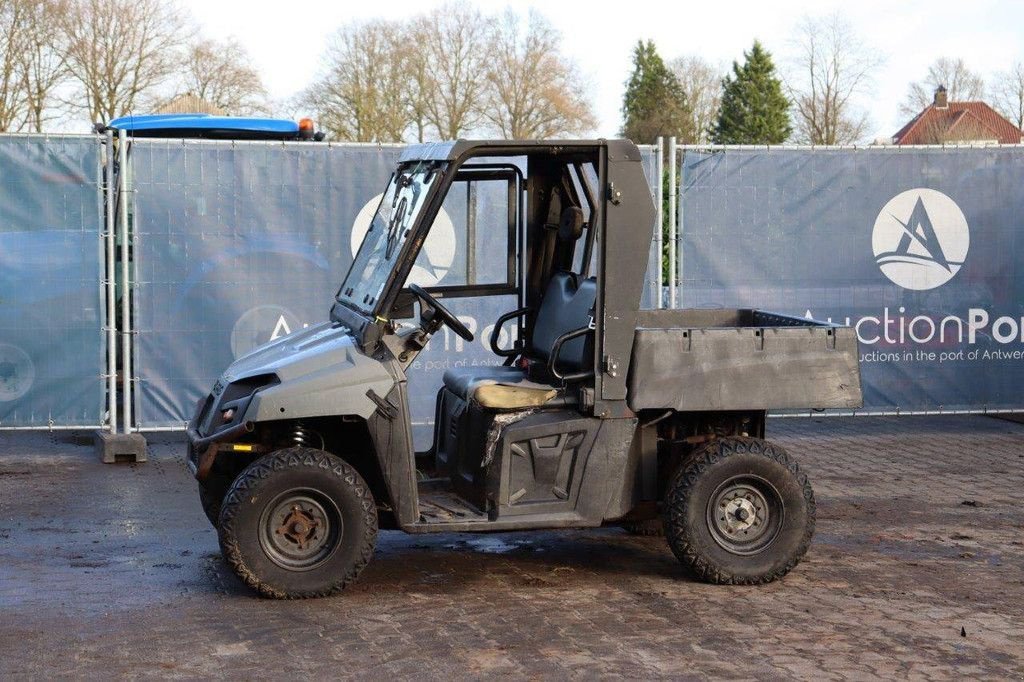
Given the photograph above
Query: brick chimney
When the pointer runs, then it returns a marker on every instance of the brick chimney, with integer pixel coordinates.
(941, 98)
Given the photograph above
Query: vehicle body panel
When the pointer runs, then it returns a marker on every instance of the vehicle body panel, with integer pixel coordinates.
(721, 360)
(319, 372)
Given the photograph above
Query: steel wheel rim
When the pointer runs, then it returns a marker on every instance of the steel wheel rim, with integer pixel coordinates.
(300, 529)
(745, 514)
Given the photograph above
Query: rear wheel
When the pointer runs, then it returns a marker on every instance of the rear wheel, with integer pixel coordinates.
(739, 512)
(298, 523)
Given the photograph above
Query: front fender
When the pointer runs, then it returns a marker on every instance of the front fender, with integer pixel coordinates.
(321, 372)
(342, 388)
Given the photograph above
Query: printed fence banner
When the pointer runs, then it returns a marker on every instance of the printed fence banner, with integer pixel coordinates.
(921, 250)
(239, 244)
(235, 245)
(52, 346)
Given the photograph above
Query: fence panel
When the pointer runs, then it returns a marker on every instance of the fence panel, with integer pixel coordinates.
(236, 244)
(240, 243)
(52, 344)
(920, 249)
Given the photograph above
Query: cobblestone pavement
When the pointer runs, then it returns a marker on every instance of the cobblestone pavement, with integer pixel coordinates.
(917, 571)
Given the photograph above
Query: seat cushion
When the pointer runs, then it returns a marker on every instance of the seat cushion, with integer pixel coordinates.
(504, 397)
(498, 388)
(461, 380)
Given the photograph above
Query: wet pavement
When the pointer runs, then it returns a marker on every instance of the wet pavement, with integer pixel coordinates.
(917, 571)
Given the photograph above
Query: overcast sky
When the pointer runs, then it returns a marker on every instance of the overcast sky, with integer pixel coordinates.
(286, 41)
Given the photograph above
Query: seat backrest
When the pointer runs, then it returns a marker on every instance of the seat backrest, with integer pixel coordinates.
(567, 305)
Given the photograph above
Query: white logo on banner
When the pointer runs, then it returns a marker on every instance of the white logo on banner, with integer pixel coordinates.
(438, 250)
(17, 373)
(250, 331)
(920, 239)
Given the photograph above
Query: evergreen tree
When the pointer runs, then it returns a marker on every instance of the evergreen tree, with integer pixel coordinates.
(654, 102)
(754, 109)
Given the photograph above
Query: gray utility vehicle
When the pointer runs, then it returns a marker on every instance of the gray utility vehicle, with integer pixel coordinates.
(602, 413)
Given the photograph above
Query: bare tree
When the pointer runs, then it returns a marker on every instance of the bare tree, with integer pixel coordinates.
(1008, 94)
(44, 68)
(449, 61)
(448, 74)
(222, 74)
(121, 51)
(362, 94)
(960, 82)
(419, 80)
(702, 85)
(831, 68)
(13, 17)
(533, 90)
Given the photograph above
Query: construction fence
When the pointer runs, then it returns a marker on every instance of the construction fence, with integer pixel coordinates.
(227, 245)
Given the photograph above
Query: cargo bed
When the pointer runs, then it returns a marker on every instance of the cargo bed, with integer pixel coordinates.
(741, 359)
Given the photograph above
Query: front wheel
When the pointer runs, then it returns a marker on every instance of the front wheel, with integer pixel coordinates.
(298, 523)
(211, 494)
(739, 512)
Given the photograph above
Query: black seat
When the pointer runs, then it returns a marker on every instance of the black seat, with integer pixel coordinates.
(567, 305)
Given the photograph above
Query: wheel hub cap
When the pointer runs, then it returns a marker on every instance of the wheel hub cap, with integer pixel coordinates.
(745, 514)
(741, 515)
(300, 529)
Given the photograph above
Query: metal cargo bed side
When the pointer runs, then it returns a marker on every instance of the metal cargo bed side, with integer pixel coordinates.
(712, 360)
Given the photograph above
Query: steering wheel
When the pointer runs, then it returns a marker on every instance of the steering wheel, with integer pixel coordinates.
(443, 314)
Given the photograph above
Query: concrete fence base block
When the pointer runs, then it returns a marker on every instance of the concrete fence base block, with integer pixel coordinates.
(120, 447)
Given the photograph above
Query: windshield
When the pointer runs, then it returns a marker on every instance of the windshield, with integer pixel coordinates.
(391, 225)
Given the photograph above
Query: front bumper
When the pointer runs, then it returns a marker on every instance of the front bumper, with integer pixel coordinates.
(234, 396)
(202, 450)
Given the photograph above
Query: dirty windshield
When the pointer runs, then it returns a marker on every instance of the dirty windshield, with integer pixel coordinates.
(390, 227)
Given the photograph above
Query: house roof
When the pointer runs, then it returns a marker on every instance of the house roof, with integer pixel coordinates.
(958, 121)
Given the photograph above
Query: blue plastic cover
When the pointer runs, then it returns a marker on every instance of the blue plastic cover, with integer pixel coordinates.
(198, 123)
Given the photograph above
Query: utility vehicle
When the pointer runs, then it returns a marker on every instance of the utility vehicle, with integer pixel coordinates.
(598, 413)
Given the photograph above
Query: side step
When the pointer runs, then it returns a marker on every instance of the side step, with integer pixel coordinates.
(446, 507)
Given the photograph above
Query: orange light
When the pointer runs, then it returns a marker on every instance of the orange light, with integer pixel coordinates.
(306, 125)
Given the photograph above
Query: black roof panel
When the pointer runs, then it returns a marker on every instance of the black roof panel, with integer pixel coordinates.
(453, 150)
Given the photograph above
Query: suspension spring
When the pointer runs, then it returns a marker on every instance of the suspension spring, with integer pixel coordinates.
(306, 438)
